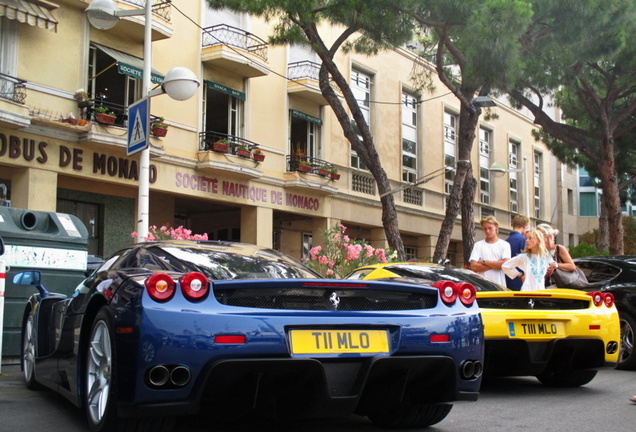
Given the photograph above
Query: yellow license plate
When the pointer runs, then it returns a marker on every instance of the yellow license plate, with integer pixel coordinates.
(536, 329)
(339, 341)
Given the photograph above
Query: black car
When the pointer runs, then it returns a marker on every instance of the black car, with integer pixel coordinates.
(617, 275)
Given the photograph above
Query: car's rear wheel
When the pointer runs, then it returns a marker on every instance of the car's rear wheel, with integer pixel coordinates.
(28, 353)
(409, 416)
(627, 356)
(100, 384)
(100, 375)
(567, 377)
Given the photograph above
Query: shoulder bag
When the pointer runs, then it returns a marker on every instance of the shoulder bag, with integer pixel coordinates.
(564, 279)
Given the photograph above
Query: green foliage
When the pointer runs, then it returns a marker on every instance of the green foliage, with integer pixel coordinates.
(583, 250)
(629, 238)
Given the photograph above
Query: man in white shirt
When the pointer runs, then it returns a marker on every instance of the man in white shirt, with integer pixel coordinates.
(489, 254)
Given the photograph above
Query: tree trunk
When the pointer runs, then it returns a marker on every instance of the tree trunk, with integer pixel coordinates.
(611, 198)
(468, 216)
(363, 143)
(464, 184)
(602, 242)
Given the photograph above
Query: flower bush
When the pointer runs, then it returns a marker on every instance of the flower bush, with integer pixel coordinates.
(341, 255)
(168, 233)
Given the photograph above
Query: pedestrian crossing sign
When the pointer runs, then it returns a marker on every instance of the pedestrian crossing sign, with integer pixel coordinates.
(138, 126)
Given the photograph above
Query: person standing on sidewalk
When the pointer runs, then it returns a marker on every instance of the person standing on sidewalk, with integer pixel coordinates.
(517, 240)
(490, 253)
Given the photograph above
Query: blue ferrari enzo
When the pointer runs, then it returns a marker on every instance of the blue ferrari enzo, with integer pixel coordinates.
(171, 328)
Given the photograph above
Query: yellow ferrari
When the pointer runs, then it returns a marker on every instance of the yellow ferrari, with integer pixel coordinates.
(561, 336)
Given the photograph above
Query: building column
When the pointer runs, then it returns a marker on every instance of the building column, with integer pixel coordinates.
(34, 189)
(426, 247)
(257, 225)
(378, 238)
(318, 227)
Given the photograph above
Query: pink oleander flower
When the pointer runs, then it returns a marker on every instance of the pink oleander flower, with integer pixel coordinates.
(329, 272)
(323, 260)
(314, 251)
(369, 250)
(353, 252)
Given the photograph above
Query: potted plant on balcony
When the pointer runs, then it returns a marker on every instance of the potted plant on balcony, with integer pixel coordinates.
(258, 155)
(82, 98)
(221, 145)
(105, 115)
(243, 151)
(324, 170)
(158, 127)
(304, 166)
(333, 172)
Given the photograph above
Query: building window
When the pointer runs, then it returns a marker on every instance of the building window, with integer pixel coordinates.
(570, 202)
(409, 138)
(410, 253)
(304, 134)
(537, 174)
(307, 245)
(223, 112)
(588, 204)
(450, 149)
(361, 88)
(113, 78)
(485, 143)
(513, 164)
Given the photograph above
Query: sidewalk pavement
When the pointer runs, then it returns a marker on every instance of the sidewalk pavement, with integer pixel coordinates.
(22, 409)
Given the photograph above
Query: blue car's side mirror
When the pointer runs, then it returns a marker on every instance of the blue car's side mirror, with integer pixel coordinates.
(27, 278)
(31, 278)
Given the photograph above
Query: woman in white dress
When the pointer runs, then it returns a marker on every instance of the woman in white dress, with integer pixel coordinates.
(532, 264)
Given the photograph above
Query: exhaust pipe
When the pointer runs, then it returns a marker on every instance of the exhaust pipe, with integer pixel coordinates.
(180, 376)
(158, 376)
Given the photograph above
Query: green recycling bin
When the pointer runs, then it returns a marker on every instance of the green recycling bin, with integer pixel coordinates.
(53, 243)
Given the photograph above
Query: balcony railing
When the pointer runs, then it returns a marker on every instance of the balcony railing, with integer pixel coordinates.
(363, 183)
(159, 7)
(313, 165)
(232, 36)
(208, 138)
(303, 69)
(12, 89)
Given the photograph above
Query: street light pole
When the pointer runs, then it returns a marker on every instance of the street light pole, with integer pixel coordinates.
(143, 199)
(499, 169)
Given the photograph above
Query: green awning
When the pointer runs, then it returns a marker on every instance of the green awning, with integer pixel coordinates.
(221, 88)
(306, 117)
(130, 65)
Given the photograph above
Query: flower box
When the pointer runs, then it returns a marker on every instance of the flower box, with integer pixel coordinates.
(304, 168)
(220, 147)
(105, 118)
(258, 157)
(335, 176)
(323, 172)
(245, 153)
(160, 131)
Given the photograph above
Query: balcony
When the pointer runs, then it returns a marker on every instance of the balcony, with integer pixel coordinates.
(13, 112)
(303, 81)
(234, 50)
(12, 89)
(132, 27)
(222, 152)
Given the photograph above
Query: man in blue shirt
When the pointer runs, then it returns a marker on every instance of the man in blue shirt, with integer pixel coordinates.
(517, 240)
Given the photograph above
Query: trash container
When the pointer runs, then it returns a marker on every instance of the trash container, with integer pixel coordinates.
(53, 243)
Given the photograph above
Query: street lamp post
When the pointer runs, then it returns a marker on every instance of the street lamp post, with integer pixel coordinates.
(499, 169)
(179, 83)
